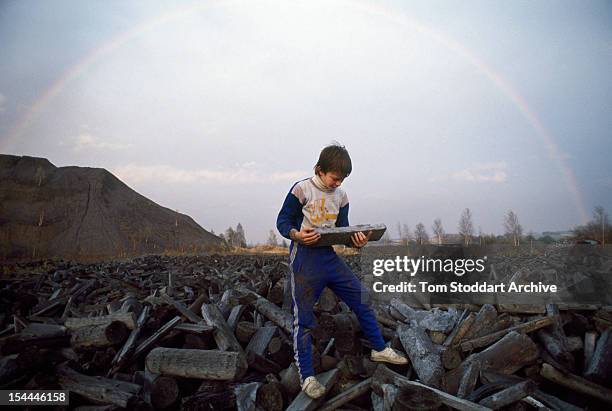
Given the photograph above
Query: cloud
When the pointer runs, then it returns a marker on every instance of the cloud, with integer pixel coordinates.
(86, 140)
(2, 102)
(242, 174)
(478, 173)
(483, 173)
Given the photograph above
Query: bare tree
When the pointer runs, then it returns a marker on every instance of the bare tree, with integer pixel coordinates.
(513, 228)
(600, 217)
(272, 239)
(407, 234)
(598, 228)
(230, 236)
(399, 230)
(240, 237)
(438, 230)
(385, 239)
(466, 226)
(420, 234)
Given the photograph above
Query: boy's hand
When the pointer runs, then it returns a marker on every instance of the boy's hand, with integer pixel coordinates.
(307, 236)
(360, 239)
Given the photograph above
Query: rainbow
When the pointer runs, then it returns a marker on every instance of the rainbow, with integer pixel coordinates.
(503, 85)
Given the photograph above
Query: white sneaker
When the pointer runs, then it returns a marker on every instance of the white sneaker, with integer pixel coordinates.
(313, 388)
(389, 355)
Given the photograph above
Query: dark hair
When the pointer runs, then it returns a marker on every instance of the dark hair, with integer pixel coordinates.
(334, 158)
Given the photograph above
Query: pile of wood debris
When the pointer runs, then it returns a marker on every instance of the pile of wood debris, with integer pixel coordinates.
(214, 332)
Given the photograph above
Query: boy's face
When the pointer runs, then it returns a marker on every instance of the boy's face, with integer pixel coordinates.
(331, 179)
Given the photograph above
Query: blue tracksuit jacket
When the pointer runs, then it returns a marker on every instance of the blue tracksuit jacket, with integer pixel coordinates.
(313, 268)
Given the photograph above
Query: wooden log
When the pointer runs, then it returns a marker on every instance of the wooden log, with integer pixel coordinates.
(521, 308)
(555, 340)
(204, 364)
(164, 392)
(348, 344)
(234, 316)
(449, 338)
(469, 379)
(131, 305)
(196, 305)
(43, 330)
(384, 375)
(590, 338)
(485, 318)
(269, 396)
(186, 312)
(170, 286)
(15, 344)
(155, 337)
(128, 348)
(505, 381)
(599, 369)
(73, 323)
(223, 335)
(347, 395)
(327, 301)
(451, 358)
(261, 363)
(328, 362)
(98, 389)
(342, 322)
(503, 322)
(145, 378)
(10, 369)
(49, 306)
(113, 306)
(557, 348)
(576, 383)
(462, 330)
(491, 338)
(389, 395)
(574, 344)
(99, 336)
(424, 356)
(287, 298)
(437, 320)
(304, 403)
(535, 404)
(383, 317)
(246, 395)
(245, 331)
(280, 352)
(290, 380)
(416, 398)
(226, 303)
(506, 356)
(261, 339)
(195, 329)
(377, 402)
(279, 317)
(510, 395)
(275, 293)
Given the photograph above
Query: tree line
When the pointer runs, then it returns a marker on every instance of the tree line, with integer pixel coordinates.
(598, 228)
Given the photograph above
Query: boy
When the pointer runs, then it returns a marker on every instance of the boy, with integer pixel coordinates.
(319, 202)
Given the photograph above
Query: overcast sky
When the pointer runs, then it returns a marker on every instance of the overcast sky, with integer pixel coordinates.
(216, 108)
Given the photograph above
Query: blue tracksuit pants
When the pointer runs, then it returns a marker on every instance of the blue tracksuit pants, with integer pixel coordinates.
(311, 269)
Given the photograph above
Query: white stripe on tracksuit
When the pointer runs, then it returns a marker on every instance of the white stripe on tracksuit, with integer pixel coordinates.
(295, 311)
